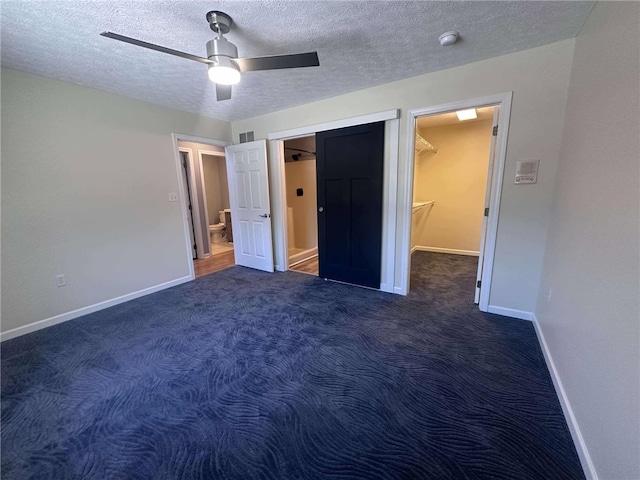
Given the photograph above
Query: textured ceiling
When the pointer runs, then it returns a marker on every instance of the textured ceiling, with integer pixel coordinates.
(360, 44)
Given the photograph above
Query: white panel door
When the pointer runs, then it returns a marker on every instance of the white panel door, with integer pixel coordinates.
(249, 199)
(487, 201)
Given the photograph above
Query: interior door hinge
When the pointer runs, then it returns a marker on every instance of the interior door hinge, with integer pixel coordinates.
(195, 247)
(486, 212)
(495, 130)
(479, 283)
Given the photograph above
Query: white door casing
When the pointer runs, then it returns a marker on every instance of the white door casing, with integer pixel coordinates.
(405, 189)
(176, 139)
(487, 202)
(249, 199)
(185, 185)
(203, 248)
(390, 186)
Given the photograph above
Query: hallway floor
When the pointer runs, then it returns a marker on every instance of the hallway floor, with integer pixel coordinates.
(214, 263)
(308, 266)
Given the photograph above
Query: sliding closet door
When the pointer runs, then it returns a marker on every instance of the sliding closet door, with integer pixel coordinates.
(349, 176)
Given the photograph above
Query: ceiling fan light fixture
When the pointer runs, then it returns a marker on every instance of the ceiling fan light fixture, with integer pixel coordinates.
(224, 74)
(224, 67)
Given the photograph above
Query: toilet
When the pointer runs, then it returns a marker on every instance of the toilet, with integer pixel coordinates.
(215, 230)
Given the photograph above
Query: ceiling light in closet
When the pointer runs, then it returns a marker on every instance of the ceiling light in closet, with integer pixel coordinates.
(469, 114)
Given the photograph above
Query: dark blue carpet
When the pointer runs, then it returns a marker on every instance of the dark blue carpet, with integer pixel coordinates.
(244, 374)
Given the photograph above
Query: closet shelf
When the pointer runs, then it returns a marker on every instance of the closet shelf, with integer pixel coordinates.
(423, 146)
(420, 205)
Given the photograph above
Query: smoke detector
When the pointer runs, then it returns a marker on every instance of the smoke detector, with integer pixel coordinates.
(448, 38)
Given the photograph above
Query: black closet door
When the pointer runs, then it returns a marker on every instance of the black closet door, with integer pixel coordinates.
(349, 176)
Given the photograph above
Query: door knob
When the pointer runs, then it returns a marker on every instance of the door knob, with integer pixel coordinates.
(321, 209)
(266, 215)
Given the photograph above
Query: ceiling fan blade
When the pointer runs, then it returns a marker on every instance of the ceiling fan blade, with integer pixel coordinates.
(275, 62)
(157, 48)
(223, 92)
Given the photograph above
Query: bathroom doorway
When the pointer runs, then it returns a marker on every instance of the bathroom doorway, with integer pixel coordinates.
(217, 207)
(453, 170)
(208, 211)
(301, 196)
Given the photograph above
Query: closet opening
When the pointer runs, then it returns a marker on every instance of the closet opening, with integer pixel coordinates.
(337, 232)
(453, 171)
(301, 196)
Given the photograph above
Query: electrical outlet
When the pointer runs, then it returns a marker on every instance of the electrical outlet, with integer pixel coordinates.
(60, 280)
(173, 197)
(549, 292)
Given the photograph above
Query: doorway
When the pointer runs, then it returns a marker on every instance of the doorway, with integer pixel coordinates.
(205, 197)
(495, 174)
(217, 205)
(453, 162)
(301, 196)
(345, 244)
(389, 187)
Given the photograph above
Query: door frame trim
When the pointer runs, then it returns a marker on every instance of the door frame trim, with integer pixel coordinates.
(335, 124)
(195, 217)
(175, 138)
(503, 100)
(389, 186)
(195, 203)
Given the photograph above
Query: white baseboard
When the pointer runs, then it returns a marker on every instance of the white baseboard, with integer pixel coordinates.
(302, 256)
(510, 312)
(452, 251)
(581, 447)
(63, 317)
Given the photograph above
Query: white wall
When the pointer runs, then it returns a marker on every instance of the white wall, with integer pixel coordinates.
(539, 80)
(591, 323)
(86, 177)
(455, 178)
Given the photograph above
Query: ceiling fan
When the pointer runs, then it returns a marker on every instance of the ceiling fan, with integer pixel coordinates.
(224, 66)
